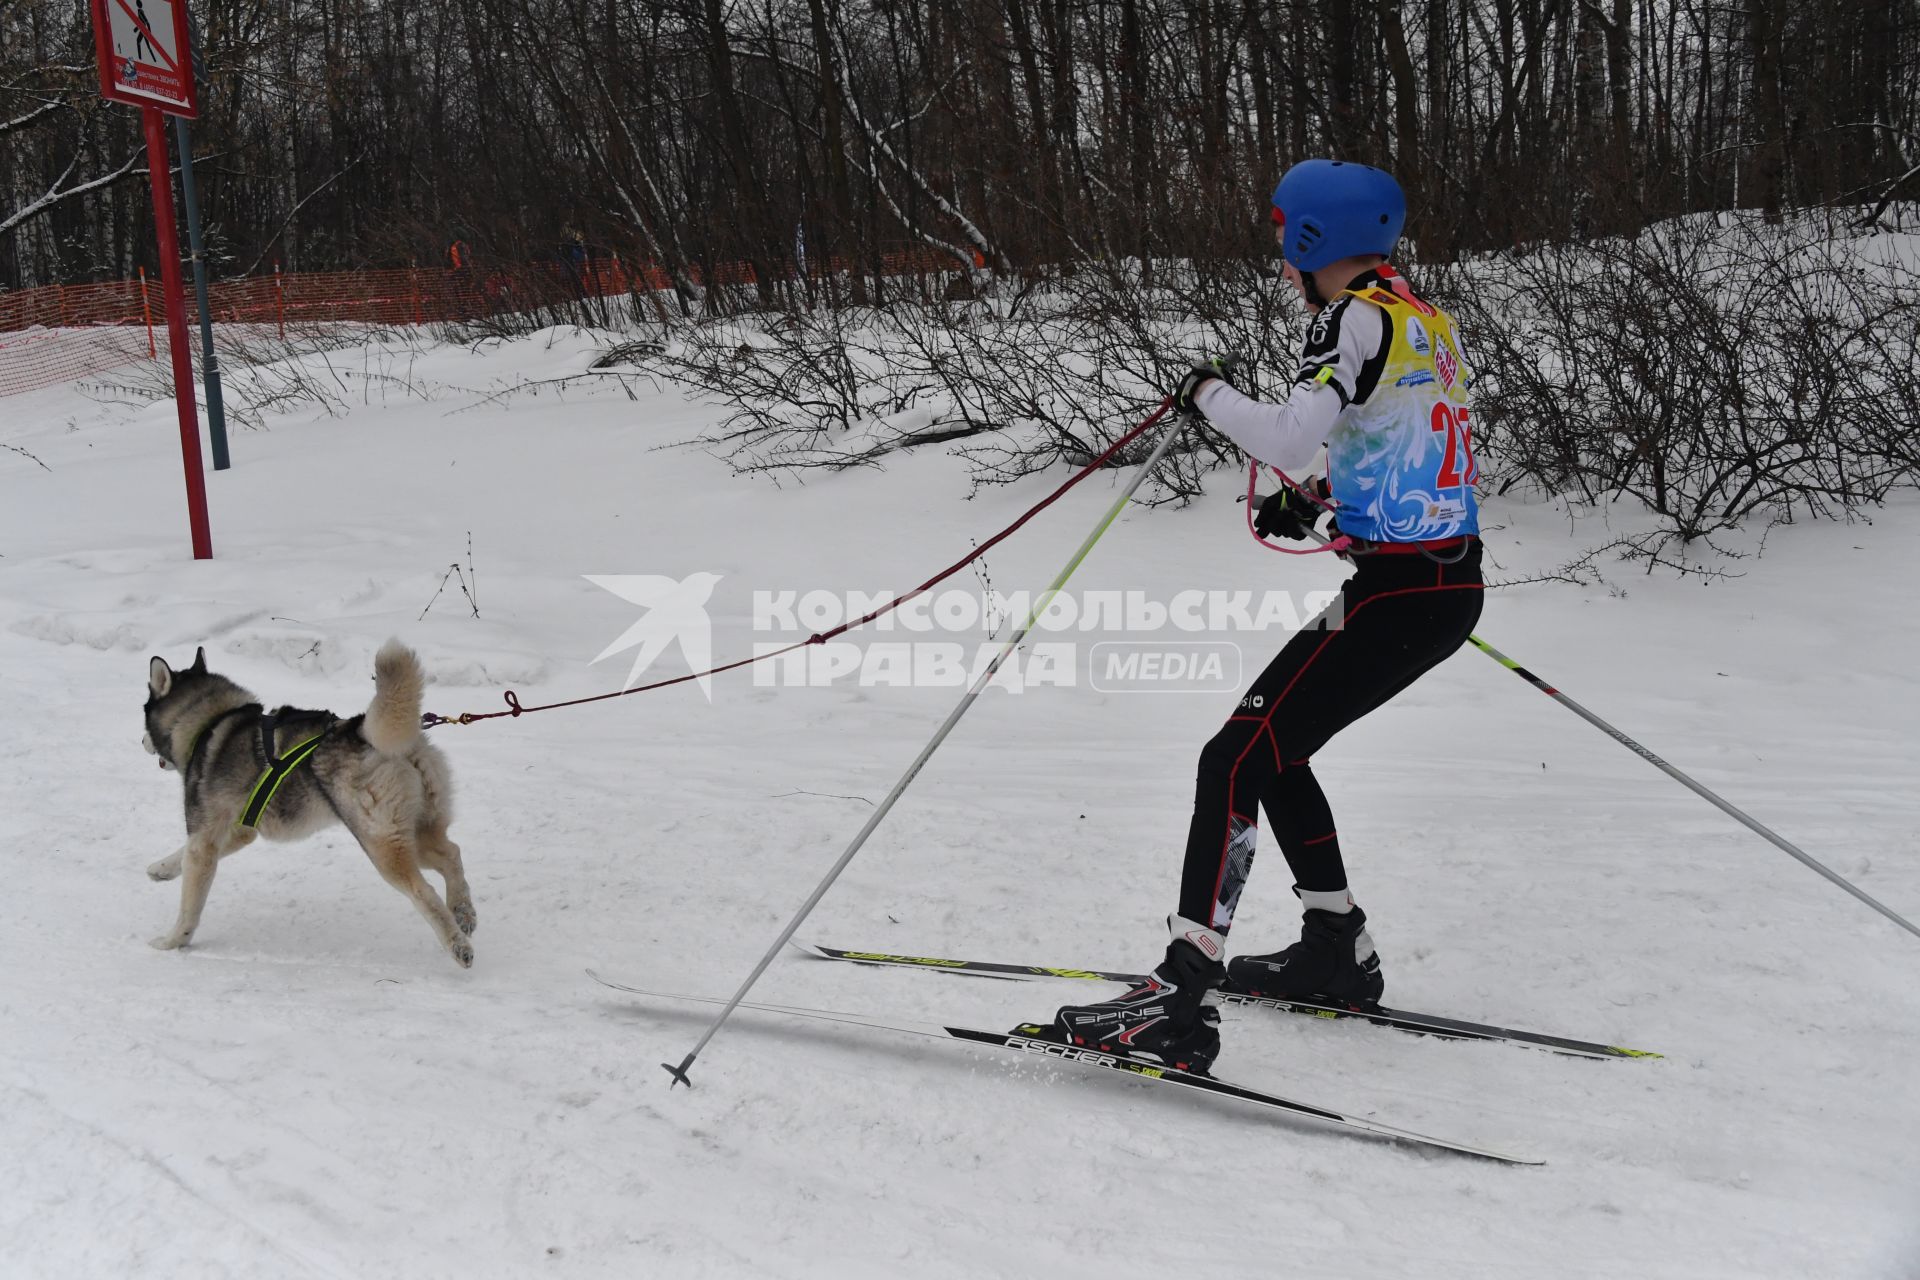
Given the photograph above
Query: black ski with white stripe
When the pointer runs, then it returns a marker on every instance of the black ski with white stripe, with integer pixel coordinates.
(1032, 1039)
(1425, 1024)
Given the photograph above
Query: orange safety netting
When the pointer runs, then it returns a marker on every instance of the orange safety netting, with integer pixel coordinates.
(58, 333)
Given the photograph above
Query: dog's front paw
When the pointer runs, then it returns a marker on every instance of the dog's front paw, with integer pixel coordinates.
(463, 915)
(462, 952)
(170, 941)
(165, 869)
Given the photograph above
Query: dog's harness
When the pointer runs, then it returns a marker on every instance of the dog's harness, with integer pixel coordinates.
(276, 767)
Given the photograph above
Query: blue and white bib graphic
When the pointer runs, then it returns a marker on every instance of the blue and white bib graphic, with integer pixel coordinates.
(1401, 465)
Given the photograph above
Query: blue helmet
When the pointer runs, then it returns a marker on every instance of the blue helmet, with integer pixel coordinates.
(1334, 209)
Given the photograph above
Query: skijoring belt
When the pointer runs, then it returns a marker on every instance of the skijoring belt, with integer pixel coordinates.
(1463, 543)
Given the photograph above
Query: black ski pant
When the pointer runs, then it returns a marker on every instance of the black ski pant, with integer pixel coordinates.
(1399, 615)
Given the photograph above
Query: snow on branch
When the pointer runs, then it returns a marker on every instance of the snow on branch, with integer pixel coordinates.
(55, 193)
(877, 140)
(21, 122)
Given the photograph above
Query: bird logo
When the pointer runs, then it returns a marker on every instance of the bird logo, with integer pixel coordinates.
(676, 610)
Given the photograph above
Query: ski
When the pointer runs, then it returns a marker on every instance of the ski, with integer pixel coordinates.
(1425, 1024)
(1030, 1039)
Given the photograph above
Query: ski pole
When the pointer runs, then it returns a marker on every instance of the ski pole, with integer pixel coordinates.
(1700, 789)
(1034, 613)
(1732, 811)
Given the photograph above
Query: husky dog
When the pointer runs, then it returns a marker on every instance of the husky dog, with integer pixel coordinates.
(374, 773)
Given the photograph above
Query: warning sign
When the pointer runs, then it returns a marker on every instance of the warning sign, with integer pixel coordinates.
(144, 54)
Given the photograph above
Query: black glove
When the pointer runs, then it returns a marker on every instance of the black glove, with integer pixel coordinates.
(1289, 513)
(1220, 367)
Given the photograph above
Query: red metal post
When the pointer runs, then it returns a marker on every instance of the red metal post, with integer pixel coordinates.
(146, 309)
(157, 165)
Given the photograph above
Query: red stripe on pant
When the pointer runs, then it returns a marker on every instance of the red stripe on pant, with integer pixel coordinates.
(1266, 724)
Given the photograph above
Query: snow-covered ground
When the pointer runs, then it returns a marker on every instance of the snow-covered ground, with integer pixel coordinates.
(314, 1088)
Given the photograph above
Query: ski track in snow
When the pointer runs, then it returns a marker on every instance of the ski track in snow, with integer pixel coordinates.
(314, 1089)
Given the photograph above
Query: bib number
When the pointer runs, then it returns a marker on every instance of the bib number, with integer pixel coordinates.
(1457, 466)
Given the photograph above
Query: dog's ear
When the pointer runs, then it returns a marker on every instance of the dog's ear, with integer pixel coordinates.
(199, 661)
(159, 677)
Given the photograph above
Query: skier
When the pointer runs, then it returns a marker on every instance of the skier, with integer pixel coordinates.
(1383, 384)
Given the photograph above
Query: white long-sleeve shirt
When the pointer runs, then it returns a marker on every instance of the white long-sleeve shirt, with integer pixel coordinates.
(1340, 363)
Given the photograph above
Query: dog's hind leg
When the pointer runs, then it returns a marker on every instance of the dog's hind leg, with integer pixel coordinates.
(168, 867)
(198, 859)
(439, 854)
(397, 857)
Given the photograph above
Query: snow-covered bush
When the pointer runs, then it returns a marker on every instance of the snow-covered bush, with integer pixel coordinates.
(1712, 368)
(1051, 369)
(310, 366)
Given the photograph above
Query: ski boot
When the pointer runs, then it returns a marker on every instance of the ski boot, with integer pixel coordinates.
(1168, 1018)
(1333, 963)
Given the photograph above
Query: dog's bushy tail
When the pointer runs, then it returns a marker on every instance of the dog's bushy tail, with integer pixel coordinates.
(393, 717)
